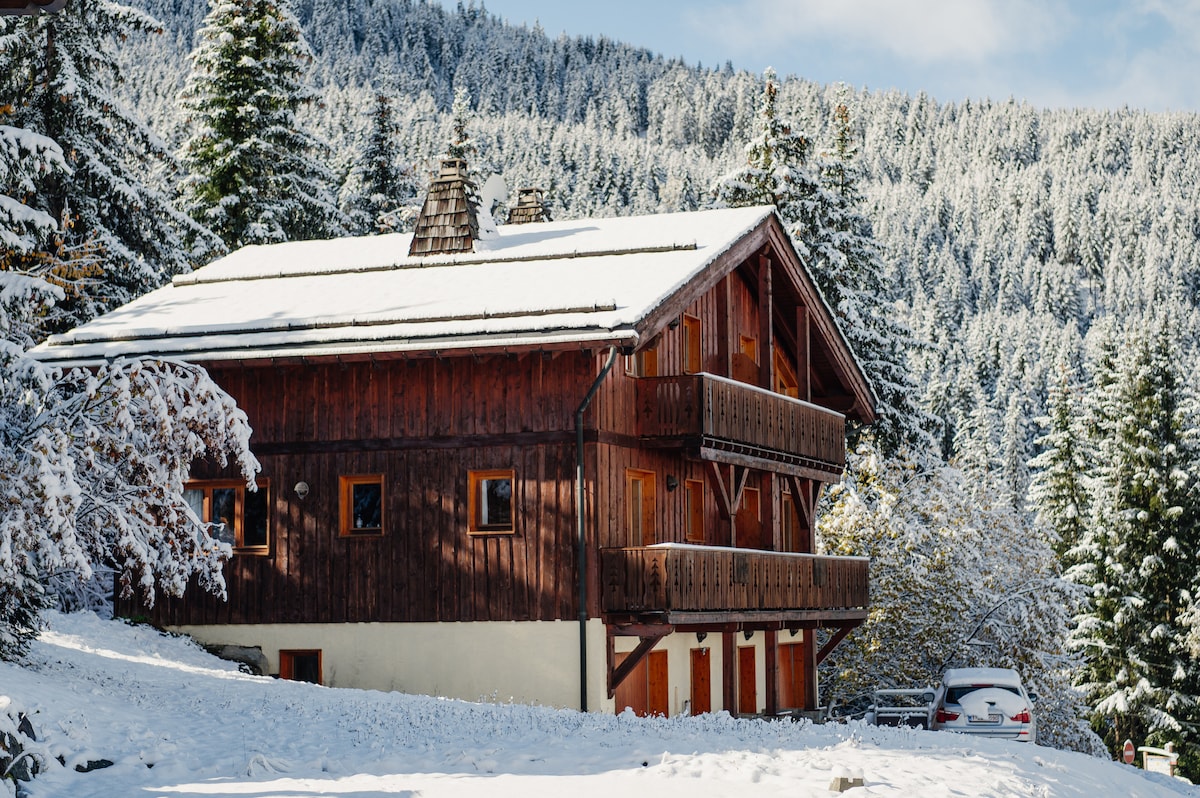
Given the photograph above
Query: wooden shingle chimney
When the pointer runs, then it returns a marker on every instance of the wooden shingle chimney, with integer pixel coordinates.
(447, 223)
(529, 208)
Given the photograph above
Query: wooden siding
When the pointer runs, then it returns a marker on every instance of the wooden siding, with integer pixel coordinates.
(703, 581)
(423, 424)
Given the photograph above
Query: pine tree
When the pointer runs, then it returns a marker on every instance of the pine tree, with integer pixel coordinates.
(254, 175)
(1058, 493)
(1142, 550)
(381, 192)
(775, 172)
(27, 249)
(118, 235)
(848, 266)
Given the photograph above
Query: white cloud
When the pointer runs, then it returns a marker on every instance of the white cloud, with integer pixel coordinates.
(919, 31)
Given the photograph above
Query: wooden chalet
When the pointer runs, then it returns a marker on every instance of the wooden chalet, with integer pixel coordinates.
(575, 464)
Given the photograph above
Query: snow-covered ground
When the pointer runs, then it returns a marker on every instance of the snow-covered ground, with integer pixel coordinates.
(181, 724)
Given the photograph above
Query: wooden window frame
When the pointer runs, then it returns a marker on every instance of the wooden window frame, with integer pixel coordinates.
(207, 486)
(643, 363)
(475, 523)
(346, 485)
(287, 660)
(748, 346)
(694, 510)
(786, 381)
(641, 517)
(691, 351)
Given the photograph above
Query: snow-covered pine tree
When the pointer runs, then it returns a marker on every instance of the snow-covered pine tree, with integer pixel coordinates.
(848, 266)
(255, 176)
(120, 235)
(1140, 556)
(776, 170)
(26, 254)
(382, 191)
(1058, 492)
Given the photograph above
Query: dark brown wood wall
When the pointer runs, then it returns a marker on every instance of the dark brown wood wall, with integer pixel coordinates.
(422, 424)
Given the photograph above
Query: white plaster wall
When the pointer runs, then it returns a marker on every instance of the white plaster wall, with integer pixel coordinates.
(532, 662)
(523, 662)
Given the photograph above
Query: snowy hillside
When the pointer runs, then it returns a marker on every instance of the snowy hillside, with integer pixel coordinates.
(176, 721)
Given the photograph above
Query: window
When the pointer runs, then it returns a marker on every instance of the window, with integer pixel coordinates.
(639, 496)
(490, 502)
(692, 363)
(694, 495)
(748, 347)
(643, 363)
(361, 505)
(785, 376)
(301, 666)
(239, 516)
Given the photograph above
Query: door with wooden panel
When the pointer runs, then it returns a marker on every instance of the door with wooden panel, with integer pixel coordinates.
(640, 500)
(645, 689)
(747, 698)
(701, 693)
(748, 521)
(793, 680)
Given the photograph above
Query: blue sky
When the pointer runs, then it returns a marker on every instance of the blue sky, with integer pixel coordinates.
(1056, 53)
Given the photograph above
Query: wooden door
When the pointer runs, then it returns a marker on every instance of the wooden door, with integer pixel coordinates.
(793, 681)
(749, 520)
(640, 500)
(747, 681)
(645, 689)
(701, 696)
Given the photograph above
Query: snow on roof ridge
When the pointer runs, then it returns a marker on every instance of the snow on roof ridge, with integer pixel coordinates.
(436, 260)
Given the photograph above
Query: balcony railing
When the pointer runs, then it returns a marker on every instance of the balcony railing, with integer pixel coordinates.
(710, 584)
(722, 410)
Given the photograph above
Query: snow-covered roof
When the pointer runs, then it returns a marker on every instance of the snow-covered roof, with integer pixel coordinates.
(558, 283)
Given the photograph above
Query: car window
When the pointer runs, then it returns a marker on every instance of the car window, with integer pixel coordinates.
(954, 694)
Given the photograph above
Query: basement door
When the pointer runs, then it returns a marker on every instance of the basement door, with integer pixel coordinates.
(645, 689)
(701, 696)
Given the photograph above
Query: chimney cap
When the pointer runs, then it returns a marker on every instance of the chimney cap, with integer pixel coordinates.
(530, 207)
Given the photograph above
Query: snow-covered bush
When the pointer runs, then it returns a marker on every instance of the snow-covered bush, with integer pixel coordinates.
(958, 579)
(95, 463)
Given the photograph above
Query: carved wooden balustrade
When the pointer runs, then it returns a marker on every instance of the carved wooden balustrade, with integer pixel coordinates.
(680, 583)
(716, 412)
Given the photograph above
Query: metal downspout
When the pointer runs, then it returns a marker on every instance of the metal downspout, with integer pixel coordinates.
(581, 533)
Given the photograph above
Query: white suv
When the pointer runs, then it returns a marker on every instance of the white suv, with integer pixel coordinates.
(987, 701)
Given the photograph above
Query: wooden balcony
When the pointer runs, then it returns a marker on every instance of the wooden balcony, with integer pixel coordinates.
(680, 584)
(721, 419)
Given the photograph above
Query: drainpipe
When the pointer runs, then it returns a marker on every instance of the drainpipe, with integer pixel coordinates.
(581, 542)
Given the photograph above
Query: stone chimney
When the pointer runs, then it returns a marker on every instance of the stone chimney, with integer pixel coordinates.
(529, 207)
(447, 223)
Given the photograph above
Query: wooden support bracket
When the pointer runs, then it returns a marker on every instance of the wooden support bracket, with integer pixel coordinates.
(838, 637)
(617, 675)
